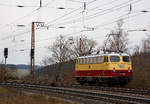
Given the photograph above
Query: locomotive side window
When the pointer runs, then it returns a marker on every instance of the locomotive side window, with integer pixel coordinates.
(126, 59)
(79, 60)
(92, 60)
(114, 58)
(84, 60)
(95, 60)
(89, 60)
(100, 59)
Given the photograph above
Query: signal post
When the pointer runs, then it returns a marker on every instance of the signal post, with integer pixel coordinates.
(32, 61)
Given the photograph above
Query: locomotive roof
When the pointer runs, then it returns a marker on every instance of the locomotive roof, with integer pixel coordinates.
(107, 54)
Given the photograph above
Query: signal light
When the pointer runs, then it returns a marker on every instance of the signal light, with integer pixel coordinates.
(5, 52)
(32, 53)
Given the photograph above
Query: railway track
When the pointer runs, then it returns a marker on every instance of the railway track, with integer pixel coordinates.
(80, 94)
(115, 89)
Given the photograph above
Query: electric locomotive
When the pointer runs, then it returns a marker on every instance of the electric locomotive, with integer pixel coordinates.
(112, 68)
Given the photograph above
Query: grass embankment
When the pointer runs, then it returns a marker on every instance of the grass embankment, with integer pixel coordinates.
(13, 96)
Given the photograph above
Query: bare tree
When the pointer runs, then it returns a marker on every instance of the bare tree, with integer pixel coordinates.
(83, 46)
(64, 49)
(136, 50)
(61, 52)
(61, 49)
(117, 40)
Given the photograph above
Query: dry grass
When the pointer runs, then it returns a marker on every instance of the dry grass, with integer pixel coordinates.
(12, 96)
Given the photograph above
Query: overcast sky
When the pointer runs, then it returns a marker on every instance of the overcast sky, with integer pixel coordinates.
(98, 14)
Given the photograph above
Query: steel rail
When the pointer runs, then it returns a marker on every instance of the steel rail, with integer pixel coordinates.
(82, 93)
(115, 89)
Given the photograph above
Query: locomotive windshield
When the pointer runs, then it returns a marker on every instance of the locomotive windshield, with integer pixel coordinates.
(114, 58)
(126, 59)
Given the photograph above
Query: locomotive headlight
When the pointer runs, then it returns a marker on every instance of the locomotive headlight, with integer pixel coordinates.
(128, 69)
(114, 70)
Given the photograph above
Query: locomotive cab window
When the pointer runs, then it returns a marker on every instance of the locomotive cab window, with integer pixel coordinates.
(126, 59)
(114, 58)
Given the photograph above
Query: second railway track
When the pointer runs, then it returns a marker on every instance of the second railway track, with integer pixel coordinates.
(82, 94)
(115, 89)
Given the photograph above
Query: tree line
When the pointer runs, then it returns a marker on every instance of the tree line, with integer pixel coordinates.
(64, 49)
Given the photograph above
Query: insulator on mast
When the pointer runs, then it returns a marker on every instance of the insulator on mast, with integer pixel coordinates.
(84, 6)
(40, 3)
(130, 7)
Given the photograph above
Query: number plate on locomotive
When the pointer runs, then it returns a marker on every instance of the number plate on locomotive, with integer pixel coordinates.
(122, 73)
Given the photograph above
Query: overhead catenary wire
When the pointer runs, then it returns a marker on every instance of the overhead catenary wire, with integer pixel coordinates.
(106, 11)
(96, 28)
(93, 1)
(89, 10)
(124, 18)
(46, 4)
(23, 6)
(28, 14)
(69, 13)
(99, 25)
(20, 18)
(17, 34)
(53, 20)
(100, 11)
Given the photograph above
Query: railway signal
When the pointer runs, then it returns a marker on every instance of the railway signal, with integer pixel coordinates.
(5, 54)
